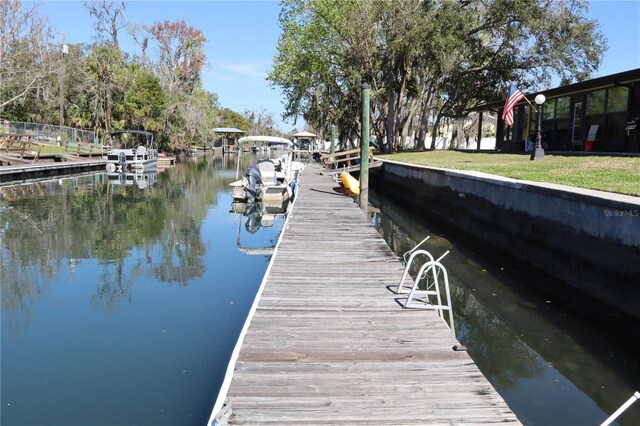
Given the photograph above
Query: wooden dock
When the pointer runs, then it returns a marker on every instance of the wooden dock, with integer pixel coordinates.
(327, 343)
(24, 172)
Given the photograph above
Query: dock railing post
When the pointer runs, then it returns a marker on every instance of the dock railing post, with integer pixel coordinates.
(364, 149)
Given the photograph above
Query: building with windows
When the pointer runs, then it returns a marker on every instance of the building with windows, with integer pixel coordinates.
(599, 115)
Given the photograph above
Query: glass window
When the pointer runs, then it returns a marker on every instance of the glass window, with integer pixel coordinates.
(617, 99)
(616, 124)
(549, 110)
(526, 125)
(562, 107)
(595, 119)
(562, 124)
(595, 102)
(562, 133)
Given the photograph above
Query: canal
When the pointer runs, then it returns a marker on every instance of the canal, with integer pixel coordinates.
(551, 366)
(122, 301)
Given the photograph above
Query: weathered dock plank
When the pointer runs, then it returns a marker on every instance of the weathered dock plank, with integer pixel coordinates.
(329, 344)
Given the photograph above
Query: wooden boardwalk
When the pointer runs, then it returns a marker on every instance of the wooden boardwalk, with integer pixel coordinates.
(328, 343)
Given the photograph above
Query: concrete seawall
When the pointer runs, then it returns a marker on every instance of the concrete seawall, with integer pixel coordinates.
(588, 239)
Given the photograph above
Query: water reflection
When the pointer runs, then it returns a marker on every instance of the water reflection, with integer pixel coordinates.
(90, 217)
(551, 367)
(121, 304)
(141, 180)
(256, 216)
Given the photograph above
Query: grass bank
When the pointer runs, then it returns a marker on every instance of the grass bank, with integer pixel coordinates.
(54, 149)
(604, 173)
(51, 149)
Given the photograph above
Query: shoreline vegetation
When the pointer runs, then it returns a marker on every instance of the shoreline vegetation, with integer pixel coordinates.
(604, 173)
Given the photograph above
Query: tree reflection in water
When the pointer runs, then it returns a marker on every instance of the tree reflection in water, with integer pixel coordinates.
(113, 287)
(44, 225)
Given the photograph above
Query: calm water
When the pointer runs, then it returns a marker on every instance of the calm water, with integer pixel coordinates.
(121, 304)
(551, 367)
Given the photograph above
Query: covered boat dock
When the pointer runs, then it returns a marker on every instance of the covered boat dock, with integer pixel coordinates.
(228, 138)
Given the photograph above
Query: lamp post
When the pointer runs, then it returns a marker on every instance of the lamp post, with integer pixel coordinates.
(65, 50)
(538, 152)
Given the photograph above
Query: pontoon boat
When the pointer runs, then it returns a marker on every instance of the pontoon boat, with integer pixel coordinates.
(131, 151)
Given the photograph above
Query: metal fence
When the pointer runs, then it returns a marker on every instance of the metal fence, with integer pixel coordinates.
(49, 134)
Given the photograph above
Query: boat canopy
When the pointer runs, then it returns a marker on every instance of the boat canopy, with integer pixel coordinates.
(271, 140)
(147, 135)
(304, 135)
(227, 130)
(135, 132)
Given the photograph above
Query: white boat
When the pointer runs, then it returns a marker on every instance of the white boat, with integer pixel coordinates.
(272, 180)
(132, 151)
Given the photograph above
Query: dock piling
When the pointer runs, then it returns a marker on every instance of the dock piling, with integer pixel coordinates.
(364, 149)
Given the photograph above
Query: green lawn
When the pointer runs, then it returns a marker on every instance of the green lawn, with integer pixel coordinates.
(54, 149)
(51, 149)
(613, 174)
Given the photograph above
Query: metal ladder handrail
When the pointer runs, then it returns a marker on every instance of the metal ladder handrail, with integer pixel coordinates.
(437, 268)
(409, 262)
(635, 397)
(404, 256)
(408, 266)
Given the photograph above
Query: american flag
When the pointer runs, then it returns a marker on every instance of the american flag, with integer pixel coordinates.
(515, 96)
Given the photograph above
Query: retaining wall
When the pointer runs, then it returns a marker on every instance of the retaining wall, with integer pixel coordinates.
(589, 240)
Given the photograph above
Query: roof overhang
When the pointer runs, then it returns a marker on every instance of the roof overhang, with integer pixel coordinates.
(135, 132)
(619, 79)
(265, 139)
(227, 130)
(304, 135)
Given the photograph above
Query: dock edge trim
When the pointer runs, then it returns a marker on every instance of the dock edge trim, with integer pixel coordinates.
(226, 383)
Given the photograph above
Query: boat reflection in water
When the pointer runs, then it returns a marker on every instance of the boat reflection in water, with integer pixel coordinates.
(121, 305)
(141, 180)
(257, 215)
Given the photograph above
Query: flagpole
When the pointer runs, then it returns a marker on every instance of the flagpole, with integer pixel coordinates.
(529, 102)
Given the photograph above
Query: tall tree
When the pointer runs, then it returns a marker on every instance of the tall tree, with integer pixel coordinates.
(143, 99)
(108, 19)
(104, 69)
(420, 54)
(25, 57)
(400, 32)
(525, 42)
(262, 123)
(180, 55)
(229, 118)
(325, 53)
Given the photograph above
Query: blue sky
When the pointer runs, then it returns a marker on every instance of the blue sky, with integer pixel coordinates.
(243, 35)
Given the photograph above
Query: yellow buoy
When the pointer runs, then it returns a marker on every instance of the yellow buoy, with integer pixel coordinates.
(350, 183)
